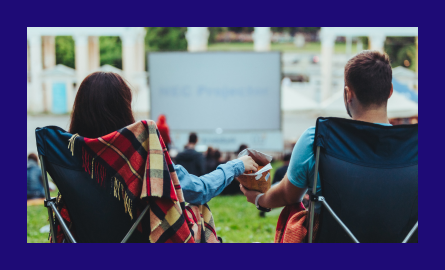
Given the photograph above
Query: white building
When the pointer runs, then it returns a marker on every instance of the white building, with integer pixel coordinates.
(42, 83)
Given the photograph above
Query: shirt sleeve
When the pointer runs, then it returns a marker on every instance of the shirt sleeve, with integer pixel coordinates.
(302, 160)
(200, 190)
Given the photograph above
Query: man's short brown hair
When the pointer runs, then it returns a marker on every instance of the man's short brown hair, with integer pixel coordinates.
(369, 74)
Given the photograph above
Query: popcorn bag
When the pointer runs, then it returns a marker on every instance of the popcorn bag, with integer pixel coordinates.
(259, 181)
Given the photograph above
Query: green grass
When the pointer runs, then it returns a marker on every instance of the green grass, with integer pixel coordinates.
(36, 218)
(236, 220)
(310, 47)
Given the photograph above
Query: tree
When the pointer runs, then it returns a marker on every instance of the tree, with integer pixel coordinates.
(400, 49)
(65, 51)
(165, 39)
(110, 51)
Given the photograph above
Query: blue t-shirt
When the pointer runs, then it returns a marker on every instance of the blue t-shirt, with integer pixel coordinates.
(302, 162)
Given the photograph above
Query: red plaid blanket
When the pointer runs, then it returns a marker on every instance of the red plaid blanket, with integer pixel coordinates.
(291, 224)
(134, 162)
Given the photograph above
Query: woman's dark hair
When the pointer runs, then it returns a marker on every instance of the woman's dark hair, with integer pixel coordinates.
(102, 105)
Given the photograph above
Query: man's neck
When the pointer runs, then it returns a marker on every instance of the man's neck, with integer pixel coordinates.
(191, 146)
(378, 115)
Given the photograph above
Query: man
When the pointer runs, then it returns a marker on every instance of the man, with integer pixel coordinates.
(367, 89)
(190, 159)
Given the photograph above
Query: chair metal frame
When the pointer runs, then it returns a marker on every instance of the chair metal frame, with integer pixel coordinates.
(50, 203)
(321, 199)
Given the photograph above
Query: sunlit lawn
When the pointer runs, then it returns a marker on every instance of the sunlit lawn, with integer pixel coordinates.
(236, 220)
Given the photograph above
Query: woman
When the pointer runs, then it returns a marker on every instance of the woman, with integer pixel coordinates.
(103, 105)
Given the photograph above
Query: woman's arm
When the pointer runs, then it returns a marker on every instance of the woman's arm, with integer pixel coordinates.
(200, 190)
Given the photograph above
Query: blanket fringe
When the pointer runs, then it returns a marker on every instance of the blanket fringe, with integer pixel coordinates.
(98, 172)
(71, 143)
(120, 192)
(94, 169)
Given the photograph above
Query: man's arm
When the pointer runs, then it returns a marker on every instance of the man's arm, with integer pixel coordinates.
(282, 194)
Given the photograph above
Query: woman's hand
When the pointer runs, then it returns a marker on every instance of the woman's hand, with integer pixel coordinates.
(249, 164)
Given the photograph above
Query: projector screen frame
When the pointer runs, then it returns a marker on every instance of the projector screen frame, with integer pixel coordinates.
(280, 71)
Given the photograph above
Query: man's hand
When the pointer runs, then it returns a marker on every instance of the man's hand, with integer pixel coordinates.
(282, 194)
(249, 164)
(250, 194)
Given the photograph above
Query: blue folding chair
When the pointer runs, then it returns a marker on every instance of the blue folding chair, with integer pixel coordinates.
(96, 216)
(369, 181)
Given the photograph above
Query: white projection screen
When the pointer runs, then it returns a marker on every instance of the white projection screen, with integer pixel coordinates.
(227, 90)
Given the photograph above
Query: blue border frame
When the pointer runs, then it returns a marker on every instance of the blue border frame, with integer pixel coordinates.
(367, 256)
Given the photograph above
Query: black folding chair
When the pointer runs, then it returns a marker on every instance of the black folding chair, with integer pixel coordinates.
(369, 180)
(96, 215)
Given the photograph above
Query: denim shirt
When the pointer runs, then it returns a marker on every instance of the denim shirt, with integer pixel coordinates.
(200, 190)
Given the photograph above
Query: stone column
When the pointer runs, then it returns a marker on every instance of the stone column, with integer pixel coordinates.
(81, 58)
(36, 92)
(94, 53)
(129, 55)
(348, 46)
(140, 47)
(261, 39)
(377, 42)
(49, 51)
(28, 62)
(359, 45)
(197, 38)
(133, 60)
(327, 50)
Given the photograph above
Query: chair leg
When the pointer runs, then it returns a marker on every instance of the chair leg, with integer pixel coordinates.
(314, 191)
(325, 204)
(411, 233)
(136, 223)
(47, 197)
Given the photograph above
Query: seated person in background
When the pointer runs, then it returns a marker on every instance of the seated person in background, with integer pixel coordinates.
(34, 178)
(368, 87)
(190, 159)
(213, 157)
(280, 172)
(103, 105)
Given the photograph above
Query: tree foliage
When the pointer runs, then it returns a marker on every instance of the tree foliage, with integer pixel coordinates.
(400, 49)
(110, 51)
(165, 39)
(65, 51)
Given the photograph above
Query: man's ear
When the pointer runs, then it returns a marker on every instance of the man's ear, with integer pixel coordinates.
(349, 94)
(390, 92)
